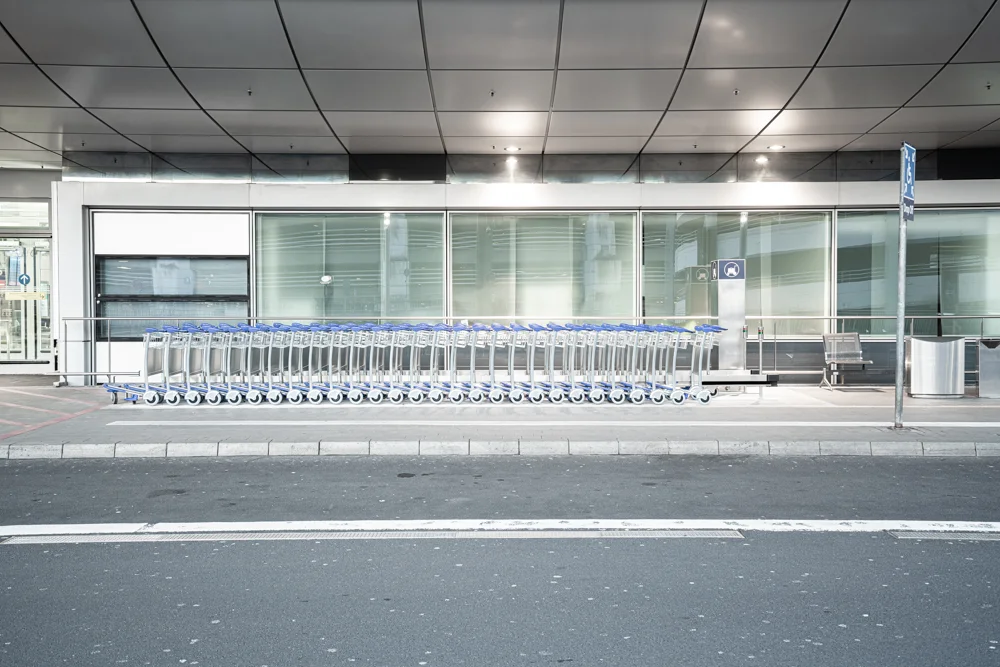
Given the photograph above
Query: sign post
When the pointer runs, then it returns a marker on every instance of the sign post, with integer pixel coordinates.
(907, 175)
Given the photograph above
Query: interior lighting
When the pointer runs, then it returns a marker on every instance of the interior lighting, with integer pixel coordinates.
(325, 280)
(385, 218)
(511, 161)
(761, 159)
(775, 147)
(512, 149)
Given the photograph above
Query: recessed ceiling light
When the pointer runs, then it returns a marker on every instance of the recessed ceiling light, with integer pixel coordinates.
(761, 159)
(775, 147)
(512, 149)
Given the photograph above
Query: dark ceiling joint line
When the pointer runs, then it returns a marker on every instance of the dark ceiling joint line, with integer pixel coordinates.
(552, 95)
(85, 109)
(687, 61)
(49, 150)
(826, 45)
(312, 96)
(430, 85)
(170, 67)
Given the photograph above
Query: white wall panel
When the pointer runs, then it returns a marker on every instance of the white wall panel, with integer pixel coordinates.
(739, 195)
(34, 184)
(122, 357)
(350, 196)
(526, 196)
(166, 195)
(171, 233)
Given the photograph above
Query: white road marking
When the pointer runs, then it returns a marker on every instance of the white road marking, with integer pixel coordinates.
(531, 422)
(492, 525)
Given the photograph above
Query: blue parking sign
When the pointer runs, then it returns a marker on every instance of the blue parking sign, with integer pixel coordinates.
(907, 177)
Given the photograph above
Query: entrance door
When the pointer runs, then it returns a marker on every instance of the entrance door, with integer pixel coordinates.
(25, 306)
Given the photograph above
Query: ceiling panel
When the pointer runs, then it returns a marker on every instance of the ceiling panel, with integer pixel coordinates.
(122, 87)
(492, 90)
(696, 123)
(984, 45)
(627, 34)
(826, 121)
(491, 145)
(962, 84)
(737, 88)
(11, 142)
(843, 87)
(24, 85)
(383, 123)
(273, 123)
(9, 53)
(70, 32)
(81, 142)
(158, 121)
(493, 124)
(603, 123)
(986, 139)
(697, 144)
(292, 145)
(919, 140)
(764, 33)
(802, 142)
(939, 119)
(902, 32)
(355, 34)
(594, 144)
(218, 33)
(615, 90)
(389, 144)
(230, 89)
(33, 158)
(35, 119)
(364, 90)
(167, 143)
(514, 34)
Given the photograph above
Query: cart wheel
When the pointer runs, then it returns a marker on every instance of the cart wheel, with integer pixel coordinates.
(557, 395)
(396, 396)
(376, 395)
(214, 398)
(704, 397)
(274, 397)
(456, 396)
(435, 396)
(415, 396)
(677, 396)
(296, 397)
(234, 397)
(517, 396)
(477, 396)
(657, 397)
(536, 395)
(255, 397)
(335, 396)
(617, 396)
(114, 397)
(172, 398)
(637, 396)
(715, 392)
(315, 396)
(192, 398)
(577, 395)
(496, 396)
(355, 396)
(596, 396)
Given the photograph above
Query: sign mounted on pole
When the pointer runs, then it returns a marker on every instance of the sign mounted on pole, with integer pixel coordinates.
(907, 176)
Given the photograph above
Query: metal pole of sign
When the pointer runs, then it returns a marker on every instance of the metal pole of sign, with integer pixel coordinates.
(907, 166)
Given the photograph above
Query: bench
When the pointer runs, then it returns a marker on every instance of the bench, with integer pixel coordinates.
(840, 349)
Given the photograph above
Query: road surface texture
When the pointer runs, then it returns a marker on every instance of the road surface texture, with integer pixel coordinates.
(756, 597)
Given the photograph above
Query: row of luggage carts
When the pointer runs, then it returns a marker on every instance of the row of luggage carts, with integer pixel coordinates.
(418, 363)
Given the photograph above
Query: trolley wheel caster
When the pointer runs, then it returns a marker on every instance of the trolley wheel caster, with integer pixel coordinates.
(296, 397)
(172, 398)
(315, 396)
(435, 396)
(234, 397)
(536, 395)
(415, 396)
(517, 396)
(496, 396)
(557, 395)
(396, 396)
(657, 397)
(192, 398)
(477, 396)
(577, 396)
(274, 397)
(616, 396)
(355, 396)
(376, 395)
(214, 398)
(456, 396)
(704, 396)
(715, 392)
(637, 396)
(114, 397)
(596, 396)
(152, 397)
(677, 396)
(255, 397)
(335, 396)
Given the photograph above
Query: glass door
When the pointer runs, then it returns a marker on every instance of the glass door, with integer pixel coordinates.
(25, 306)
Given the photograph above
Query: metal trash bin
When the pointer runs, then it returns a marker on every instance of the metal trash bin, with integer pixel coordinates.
(936, 366)
(989, 368)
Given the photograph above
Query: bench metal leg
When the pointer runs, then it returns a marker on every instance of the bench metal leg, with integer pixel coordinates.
(825, 382)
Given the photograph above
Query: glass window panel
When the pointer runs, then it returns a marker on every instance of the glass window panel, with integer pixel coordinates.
(787, 265)
(952, 269)
(25, 319)
(172, 276)
(160, 313)
(543, 265)
(24, 214)
(350, 265)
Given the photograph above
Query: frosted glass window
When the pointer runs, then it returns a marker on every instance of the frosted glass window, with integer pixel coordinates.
(171, 276)
(350, 265)
(156, 314)
(24, 214)
(787, 263)
(543, 265)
